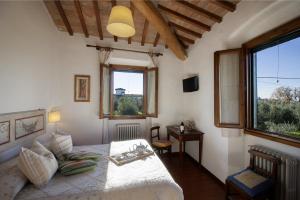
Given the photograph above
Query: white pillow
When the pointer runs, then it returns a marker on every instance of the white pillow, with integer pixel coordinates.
(44, 139)
(37, 164)
(12, 180)
(61, 144)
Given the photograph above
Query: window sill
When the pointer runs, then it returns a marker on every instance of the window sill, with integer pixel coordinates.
(127, 117)
(273, 137)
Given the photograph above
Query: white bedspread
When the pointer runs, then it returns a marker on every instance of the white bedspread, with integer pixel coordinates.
(146, 179)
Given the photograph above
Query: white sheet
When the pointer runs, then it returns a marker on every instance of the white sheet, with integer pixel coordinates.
(140, 180)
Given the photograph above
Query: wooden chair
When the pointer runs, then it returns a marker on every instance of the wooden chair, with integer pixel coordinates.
(265, 188)
(159, 145)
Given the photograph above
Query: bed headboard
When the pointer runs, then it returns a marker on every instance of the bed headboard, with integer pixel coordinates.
(19, 129)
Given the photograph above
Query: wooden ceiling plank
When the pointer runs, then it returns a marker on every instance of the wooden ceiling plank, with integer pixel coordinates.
(156, 39)
(224, 4)
(132, 11)
(184, 18)
(114, 3)
(81, 18)
(201, 11)
(98, 18)
(188, 40)
(186, 30)
(149, 11)
(63, 16)
(145, 31)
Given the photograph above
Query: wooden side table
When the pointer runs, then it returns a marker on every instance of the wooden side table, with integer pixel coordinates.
(193, 135)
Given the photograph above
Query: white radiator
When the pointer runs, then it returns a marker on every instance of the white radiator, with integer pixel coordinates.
(128, 131)
(288, 178)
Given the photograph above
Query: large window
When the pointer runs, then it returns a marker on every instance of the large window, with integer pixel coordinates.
(276, 87)
(128, 92)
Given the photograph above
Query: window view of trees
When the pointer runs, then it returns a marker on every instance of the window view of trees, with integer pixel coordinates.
(128, 104)
(277, 91)
(280, 113)
(128, 93)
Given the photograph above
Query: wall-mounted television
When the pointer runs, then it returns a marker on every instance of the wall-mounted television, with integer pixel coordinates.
(190, 84)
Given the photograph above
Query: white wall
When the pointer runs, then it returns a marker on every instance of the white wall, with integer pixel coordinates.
(38, 63)
(28, 58)
(224, 151)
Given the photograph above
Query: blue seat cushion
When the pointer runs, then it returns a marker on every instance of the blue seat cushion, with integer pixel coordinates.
(256, 190)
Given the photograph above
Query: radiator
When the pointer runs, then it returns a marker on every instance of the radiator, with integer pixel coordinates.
(288, 178)
(128, 131)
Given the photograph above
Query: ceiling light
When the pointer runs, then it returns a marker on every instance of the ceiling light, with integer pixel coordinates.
(120, 22)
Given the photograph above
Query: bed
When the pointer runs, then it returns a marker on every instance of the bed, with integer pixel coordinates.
(146, 179)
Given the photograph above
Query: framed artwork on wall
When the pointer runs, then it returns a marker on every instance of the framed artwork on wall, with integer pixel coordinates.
(28, 125)
(4, 132)
(82, 84)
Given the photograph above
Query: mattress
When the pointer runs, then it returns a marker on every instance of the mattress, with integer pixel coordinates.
(146, 179)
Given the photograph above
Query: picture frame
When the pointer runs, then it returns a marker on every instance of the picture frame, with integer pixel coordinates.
(82, 85)
(4, 132)
(28, 125)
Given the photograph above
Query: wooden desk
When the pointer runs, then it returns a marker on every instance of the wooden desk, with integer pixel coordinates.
(193, 135)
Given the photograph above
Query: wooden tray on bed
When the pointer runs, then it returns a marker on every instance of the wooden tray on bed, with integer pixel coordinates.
(129, 156)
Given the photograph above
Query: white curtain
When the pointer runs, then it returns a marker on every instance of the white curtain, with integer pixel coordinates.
(104, 54)
(151, 92)
(229, 88)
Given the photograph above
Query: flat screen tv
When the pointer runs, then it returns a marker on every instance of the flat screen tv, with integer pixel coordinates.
(190, 84)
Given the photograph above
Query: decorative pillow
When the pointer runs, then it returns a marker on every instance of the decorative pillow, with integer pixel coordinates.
(61, 144)
(82, 155)
(38, 164)
(73, 167)
(12, 181)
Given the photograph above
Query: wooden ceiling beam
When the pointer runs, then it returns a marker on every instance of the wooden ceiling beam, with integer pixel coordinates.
(183, 29)
(200, 11)
(145, 31)
(184, 18)
(98, 18)
(63, 16)
(114, 3)
(224, 4)
(149, 11)
(188, 40)
(81, 18)
(183, 44)
(156, 39)
(132, 11)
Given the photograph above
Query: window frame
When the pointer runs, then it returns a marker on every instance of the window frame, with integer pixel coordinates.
(132, 69)
(267, 38)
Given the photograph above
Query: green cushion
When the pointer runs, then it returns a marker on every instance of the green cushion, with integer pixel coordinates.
(76, 166)
(82, 155)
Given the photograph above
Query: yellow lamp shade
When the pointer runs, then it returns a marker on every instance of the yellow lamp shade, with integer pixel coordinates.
(120, 22)
(54, 116)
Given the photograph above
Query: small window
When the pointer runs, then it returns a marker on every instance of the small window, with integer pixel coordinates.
(276, 87)
(128, 92)
(128, 95)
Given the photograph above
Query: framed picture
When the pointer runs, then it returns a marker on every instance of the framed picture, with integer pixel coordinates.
(28, 125)
(4, 132)
(82, 88)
